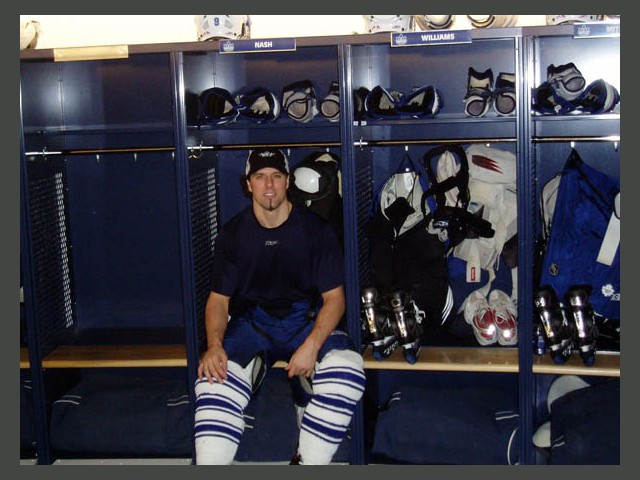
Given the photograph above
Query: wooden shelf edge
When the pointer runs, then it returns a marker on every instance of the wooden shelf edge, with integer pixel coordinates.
(109, 356)
(462, 359)
(458, 359)
(24, 358)
(605, 365)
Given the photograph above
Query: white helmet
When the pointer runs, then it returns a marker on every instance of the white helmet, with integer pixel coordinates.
(561, 19)
(223, 26)
(493, 21)
(388, 23)
(307, 179)
(318, 176)
(29, 32)
(434, 22)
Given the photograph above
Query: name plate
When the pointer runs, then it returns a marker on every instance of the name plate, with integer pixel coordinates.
(413, 39)
(258, 45)
(596, 30)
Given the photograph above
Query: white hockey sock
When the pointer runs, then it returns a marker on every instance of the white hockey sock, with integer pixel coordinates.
(219, 421)
(338, 385)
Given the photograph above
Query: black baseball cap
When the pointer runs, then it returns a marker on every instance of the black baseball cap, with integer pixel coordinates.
(264, 158)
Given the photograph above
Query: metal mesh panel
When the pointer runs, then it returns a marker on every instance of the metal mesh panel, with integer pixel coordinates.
(53, 294)
(364, 197)
(204, 219)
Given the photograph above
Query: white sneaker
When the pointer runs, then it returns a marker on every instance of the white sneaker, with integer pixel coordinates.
(505, 317)
(478, 314)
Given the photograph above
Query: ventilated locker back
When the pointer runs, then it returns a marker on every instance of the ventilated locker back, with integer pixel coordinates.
(52, 258)
(205, 218)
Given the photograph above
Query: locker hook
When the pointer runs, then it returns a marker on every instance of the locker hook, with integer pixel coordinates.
(573, 144)
(615, 146)
(193, 154)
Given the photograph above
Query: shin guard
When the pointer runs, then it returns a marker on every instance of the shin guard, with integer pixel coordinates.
(219, 421)
(338, 385)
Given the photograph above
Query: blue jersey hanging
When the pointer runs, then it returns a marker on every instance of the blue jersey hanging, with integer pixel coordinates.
(584, 243)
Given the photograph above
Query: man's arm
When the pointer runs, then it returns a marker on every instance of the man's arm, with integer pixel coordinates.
(303, 360)
(214, 362)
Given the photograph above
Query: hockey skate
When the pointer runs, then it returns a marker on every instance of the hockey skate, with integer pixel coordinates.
(556, 329)
(579, 310)
(407, 323)
(378, 331)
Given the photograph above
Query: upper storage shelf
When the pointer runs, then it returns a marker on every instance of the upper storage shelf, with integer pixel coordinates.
(446, 68)
(595, 57)
(271, 71)
(113, 103)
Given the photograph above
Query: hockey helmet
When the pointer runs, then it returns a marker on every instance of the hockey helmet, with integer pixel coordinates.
(210, 27)
(317, 184)
(317, 176)
(29, 32)
(562, 19)
(434, 22)
(388, 23)
(492, 21)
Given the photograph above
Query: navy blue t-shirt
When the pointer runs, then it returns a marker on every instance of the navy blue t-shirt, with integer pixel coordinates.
(276, 266)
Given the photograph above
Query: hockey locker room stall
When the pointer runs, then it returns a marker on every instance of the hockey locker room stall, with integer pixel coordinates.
(130, 165)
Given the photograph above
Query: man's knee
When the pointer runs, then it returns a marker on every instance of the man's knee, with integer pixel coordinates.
(219, 421)
(340, 371)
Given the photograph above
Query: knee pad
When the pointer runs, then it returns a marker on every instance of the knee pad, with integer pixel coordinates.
(340, 372)
(338, 384)
(219, 421)
(237, 386)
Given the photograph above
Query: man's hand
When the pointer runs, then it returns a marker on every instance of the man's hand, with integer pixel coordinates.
(303, 360)
(213, 364)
